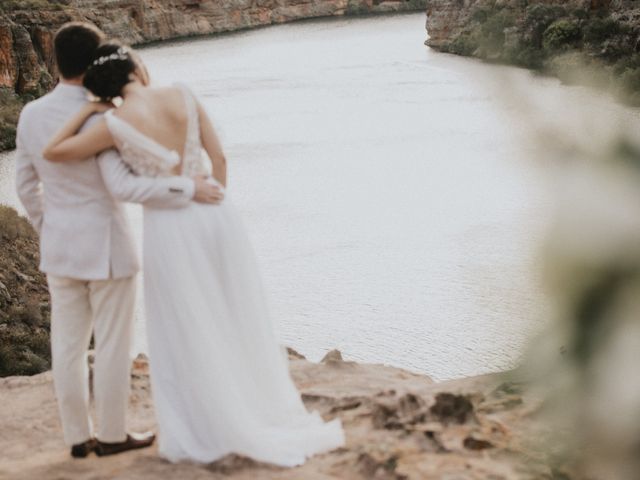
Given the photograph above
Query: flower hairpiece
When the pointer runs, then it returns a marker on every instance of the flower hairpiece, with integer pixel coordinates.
(120, 54)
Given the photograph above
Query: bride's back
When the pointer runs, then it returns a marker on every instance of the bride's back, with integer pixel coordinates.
(158, 113)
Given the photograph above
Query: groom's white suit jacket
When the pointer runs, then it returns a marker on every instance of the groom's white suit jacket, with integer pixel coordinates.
(84, 233)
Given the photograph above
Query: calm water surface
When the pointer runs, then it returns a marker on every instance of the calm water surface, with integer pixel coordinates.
(392, 203)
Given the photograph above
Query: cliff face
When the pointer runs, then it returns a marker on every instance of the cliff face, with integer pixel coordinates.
(26, 35)
(447, 20)
(27, 28)
(592, 41)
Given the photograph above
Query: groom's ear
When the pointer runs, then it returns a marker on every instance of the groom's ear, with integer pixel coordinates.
(74, 45)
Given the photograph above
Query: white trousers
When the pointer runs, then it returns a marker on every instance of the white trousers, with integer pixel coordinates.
(78, 308)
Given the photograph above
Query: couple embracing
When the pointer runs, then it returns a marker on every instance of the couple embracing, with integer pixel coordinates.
(220, 380)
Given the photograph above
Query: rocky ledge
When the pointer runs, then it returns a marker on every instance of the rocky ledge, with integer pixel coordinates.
(27, 28)
(399, 425)
(594, 42)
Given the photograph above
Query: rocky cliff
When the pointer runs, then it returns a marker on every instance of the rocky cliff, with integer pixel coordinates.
(399, 426)
(586, 41)
(27, 28)
(24, 299)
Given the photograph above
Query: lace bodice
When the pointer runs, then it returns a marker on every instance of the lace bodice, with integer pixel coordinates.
(149, 158)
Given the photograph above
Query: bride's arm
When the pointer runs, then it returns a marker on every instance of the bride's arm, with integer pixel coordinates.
(69, 144)
(212, 145)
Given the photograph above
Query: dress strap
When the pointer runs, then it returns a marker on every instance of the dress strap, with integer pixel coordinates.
(193, 161)
(192, 150)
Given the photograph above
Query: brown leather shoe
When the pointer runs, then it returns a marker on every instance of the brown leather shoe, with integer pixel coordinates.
(82, 450)
(133, 442)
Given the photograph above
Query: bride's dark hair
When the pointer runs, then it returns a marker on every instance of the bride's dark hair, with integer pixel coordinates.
(110, 70)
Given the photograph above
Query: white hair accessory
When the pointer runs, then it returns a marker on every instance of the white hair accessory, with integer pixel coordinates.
(120, 54)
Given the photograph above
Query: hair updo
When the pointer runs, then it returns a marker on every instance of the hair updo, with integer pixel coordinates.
(110, 70)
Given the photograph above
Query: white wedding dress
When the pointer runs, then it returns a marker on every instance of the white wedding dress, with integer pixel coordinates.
(220, 379)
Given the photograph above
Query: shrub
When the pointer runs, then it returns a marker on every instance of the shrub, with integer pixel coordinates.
(356, 7)
(525, 56)
(540, 13)
(24, 353)
(598, 30)
(629, 63)
(24, 301)
(481, 14)
(580, 13)
(466, 44)
(492, 30)
(13, 226)
(10, 107)
(561, 35)
(630, 85)
(538, 18)
(7, 137)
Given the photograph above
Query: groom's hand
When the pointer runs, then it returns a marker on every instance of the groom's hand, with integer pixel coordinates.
(206, 191)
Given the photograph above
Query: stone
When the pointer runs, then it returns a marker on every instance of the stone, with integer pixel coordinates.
(334, 356)
(294, 354)
(451, 408)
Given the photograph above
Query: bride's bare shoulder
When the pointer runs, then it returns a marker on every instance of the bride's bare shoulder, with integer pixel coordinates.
(168, 92)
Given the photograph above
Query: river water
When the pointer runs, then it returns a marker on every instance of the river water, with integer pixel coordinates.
(391, 197)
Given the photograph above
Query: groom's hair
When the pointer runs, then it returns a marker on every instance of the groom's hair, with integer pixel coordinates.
(75, 44)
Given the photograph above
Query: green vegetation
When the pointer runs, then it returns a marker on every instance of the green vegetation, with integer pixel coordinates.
(493, 31)
(562, 35)
(357, 7)
(10, 107)
(537, 19)
(24, 301)
(578, 45)
(600, 29)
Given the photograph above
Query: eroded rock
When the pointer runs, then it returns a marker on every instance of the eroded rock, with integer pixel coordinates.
(451, 408)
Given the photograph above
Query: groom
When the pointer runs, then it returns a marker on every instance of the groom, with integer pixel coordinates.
(88, 253)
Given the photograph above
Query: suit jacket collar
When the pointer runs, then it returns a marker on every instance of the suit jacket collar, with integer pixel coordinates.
(71, 91)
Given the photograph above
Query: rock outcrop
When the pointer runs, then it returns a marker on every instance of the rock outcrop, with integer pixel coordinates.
(399, 425)
(27, 28)
(582, 41)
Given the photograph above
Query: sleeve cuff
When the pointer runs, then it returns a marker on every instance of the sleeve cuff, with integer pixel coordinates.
(189, 188)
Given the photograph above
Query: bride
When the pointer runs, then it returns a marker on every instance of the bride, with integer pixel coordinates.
(220, 380)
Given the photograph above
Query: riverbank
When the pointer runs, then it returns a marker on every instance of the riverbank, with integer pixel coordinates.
(399, 425)
(27, 28)
(594, 43)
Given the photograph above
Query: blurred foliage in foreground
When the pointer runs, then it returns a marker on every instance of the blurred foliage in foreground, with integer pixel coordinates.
(558, 39)
(24, 299)
(586, 364)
